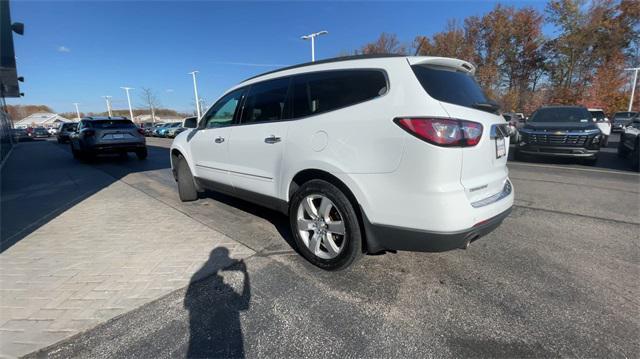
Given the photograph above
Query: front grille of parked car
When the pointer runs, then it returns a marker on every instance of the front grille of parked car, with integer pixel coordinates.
(557, 140)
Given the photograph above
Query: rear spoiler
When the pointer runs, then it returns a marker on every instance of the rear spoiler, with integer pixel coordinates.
(442, 61)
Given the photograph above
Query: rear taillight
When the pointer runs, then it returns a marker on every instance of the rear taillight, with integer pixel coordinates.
(89, 133)
(443, 131)
(141, 131)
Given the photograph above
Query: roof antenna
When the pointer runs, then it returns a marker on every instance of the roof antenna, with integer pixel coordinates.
(419, 46)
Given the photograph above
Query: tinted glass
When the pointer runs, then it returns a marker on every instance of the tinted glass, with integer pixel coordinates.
(330, 90)
(561, 114)
(266, 101)
(598, 115)
(222, 113)
(450, 86)
(624, 115)
(111, 124)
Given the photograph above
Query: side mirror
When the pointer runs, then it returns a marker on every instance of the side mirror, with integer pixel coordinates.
(191, 122)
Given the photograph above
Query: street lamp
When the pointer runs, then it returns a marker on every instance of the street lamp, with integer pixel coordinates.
(126, 89)
(633, 88)
(195, 91)
(313, 42)
(108, 100)
(77, 110)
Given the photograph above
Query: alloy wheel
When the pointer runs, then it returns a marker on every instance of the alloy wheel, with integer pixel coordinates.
(321, 226)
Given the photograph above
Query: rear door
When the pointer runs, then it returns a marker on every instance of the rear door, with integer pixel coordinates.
(257, 144)
(210, 141)
(484, 166)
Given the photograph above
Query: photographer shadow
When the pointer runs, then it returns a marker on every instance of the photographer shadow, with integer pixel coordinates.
(214, 308)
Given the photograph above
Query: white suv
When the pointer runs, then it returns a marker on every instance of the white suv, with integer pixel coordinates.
(364, 154)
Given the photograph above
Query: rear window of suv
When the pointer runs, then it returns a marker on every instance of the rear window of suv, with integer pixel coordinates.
(449, 85)
(111, 124)
(561, 114)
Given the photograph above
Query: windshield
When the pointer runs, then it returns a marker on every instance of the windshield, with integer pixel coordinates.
(624, 115)
(449, 85)
(598, 115)
(112, 124)
(561, 114)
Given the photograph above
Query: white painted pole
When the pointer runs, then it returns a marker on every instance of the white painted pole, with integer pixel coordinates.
(312, 37)
(195, 92)
(77, 110)
(108, 101)
(633, 88)
(126, 89)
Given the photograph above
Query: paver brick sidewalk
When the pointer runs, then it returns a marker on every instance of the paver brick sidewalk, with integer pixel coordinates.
(108, 254)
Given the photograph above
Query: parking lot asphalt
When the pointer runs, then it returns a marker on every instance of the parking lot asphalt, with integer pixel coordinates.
(558, 278)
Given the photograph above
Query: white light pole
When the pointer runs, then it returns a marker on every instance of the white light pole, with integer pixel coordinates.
(313, 42)
(633, 88)
(77, 110)
(195, 91)
(126, 89)
(108, 101)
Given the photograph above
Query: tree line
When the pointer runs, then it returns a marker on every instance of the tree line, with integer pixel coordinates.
(522, 68)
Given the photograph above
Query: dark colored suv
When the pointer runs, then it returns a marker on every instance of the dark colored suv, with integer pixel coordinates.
(621, 120)
(560, 131)
(99, 135)
(65, 130)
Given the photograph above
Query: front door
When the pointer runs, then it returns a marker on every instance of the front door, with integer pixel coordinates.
(257, 143)
(210, 141)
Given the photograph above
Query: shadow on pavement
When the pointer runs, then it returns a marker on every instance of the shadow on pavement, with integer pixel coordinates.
(214, 308)
(41, 180)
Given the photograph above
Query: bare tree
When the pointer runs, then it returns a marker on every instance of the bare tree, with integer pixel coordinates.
(150, 101)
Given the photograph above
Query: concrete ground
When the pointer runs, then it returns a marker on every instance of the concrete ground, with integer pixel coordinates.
(558, 278)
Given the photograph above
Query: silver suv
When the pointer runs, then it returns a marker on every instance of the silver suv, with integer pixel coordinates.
(98, 135)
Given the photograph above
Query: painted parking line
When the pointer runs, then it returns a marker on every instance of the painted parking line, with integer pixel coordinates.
(510, 163)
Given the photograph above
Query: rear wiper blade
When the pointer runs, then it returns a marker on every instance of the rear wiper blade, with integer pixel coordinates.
(490, 106)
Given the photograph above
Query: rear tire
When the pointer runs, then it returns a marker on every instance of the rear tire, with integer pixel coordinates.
(517, 155)
(142, 154)
(635, 157)
(590, 161)
(76, 153)
(325, 226)
(623, 151)
(186, 186)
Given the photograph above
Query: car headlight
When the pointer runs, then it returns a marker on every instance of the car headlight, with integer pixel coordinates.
(596, 139)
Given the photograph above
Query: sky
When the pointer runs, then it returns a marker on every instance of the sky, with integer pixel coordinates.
(79, 51)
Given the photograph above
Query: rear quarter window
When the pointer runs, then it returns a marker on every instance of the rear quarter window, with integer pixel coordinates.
(319, 92)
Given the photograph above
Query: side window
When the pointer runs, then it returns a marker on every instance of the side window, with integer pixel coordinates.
(222, 113)
(266, 101)
(320, 92)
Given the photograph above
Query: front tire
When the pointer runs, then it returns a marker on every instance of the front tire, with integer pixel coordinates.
(635, 157)
(325, 226)
(623, 151)
(590, 161)
(187, 190)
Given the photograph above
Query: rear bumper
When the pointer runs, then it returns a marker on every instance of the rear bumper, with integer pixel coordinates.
(117, 147)
(384, 237)
(558, 151)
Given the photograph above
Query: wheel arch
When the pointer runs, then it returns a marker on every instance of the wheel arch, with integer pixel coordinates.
(310, 174)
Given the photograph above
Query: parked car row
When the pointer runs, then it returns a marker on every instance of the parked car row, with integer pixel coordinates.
(629, 144)
(167, 130)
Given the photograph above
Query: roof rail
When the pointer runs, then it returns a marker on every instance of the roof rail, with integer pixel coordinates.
(327, 61)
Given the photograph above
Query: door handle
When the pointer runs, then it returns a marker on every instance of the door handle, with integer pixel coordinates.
(219, 139)
(272, 139)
